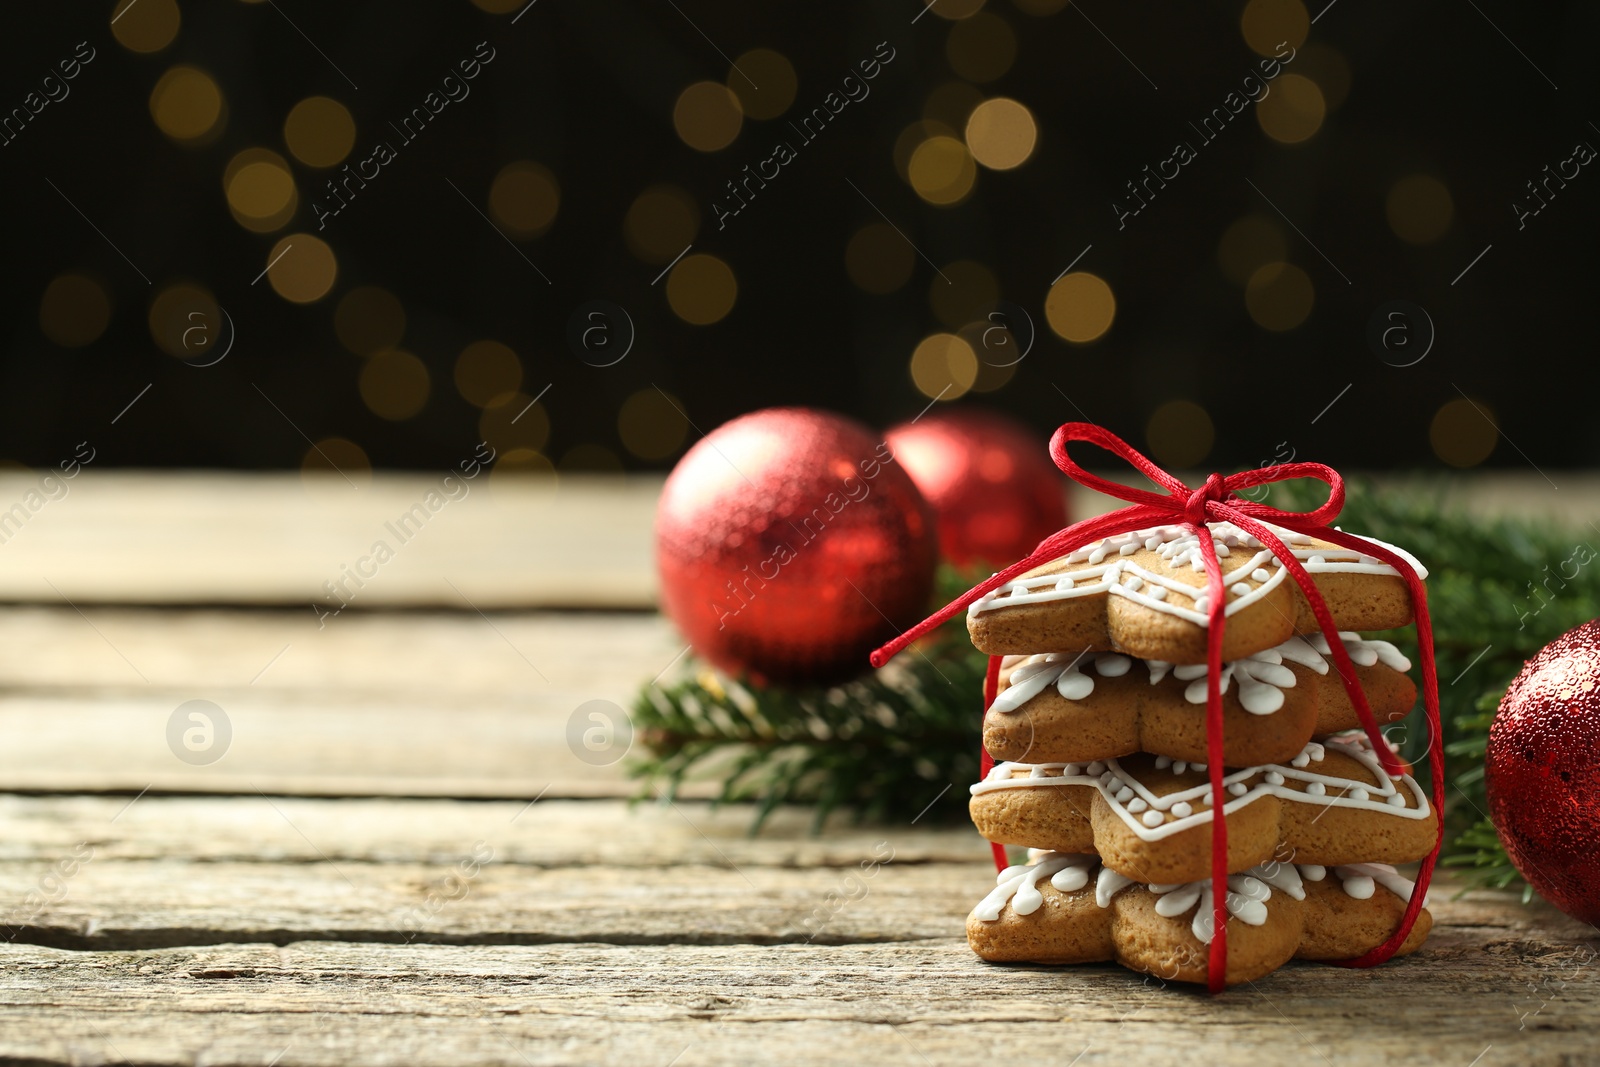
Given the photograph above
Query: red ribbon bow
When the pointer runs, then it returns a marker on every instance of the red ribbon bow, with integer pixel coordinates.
(1218, 501)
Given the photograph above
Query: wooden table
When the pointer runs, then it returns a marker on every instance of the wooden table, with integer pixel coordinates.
(399, 859)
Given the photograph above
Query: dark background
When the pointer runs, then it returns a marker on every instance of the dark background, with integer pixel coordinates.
(587, 87)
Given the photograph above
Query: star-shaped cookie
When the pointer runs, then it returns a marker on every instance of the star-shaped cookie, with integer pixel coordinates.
(1062, 707)
(1149, 817)
(1144, 593)
(1067, 908)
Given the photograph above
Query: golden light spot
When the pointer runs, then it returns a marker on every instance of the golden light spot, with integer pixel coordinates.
(952, 103)
(1267, 23)
(1080, 307)
(184, 320)
(943, 367)
(707, 116)
(305, 270)
(369, 320)
(1279, 296)
(1040, 7)
(488, 373)
(1001, 133)
(524, 199)
(962, 291)
(515, 423)
(260, 190)
(500, 7)
(764, 82)
(394, 385)
(74, 311)
(661, 222)
(981, 48)
(187, 105)
(941, 171)
(996, 362)
(1420, 209)
(991, 377)
(1463, 432)
(333, 459)
(1179, 434)
(1247, 244)
(911, 138)
(1293, 111)
(145, 25)
(701, 289)
(955, 9)
(1326, 66)
(319, 131)
(651, 425)
(878, 259)
(592, 458)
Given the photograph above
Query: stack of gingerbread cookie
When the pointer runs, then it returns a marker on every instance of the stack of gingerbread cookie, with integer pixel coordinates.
(1100, 730)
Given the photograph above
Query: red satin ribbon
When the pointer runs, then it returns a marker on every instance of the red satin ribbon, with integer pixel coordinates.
(1217, 501)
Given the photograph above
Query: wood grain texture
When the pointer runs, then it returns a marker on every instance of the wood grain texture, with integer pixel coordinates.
(549, 834)
(421, 704)
(362, 878)
(581, 540)
(919, 1002)
(196, 538)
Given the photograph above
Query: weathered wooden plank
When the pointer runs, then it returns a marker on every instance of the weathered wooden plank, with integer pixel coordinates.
(96, 872)
(924, 1002)
(274, 538)
(418, 704)
(117, 905)
(551, 833)
(104, 873)
(188, 538)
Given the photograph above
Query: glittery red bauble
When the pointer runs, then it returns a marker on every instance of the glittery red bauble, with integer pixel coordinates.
(1543, 772)
(790, 544)
(990, 481)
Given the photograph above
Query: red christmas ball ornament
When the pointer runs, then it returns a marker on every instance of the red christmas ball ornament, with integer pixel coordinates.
(791, 543)
(1543, 772)
(989, 479)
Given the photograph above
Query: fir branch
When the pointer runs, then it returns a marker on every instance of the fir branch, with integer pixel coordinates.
(1499, 590)
(885, 745)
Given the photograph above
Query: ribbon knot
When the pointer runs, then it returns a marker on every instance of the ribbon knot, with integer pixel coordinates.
(1214, 491)
(1216, 500)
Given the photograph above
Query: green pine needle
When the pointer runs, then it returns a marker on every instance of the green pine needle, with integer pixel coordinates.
(891, 743)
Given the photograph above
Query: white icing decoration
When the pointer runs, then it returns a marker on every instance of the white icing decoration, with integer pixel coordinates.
(1359, 880)
(1355, 885)
(1108, 885)
(1034, 674)
(1363, 652)
(1019, 886)
(1178, 546)
(1262, 680)
(1262, 677)
(1150, 825)
(1247, 896)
